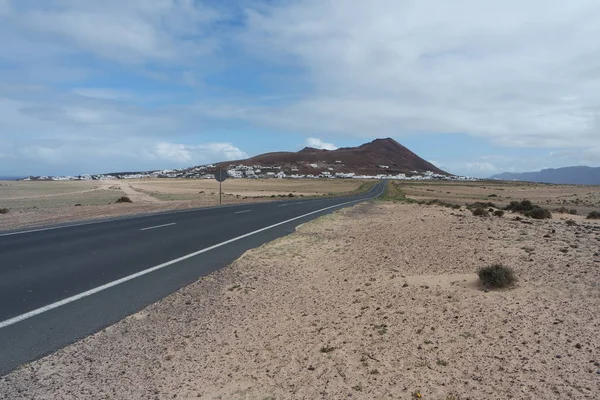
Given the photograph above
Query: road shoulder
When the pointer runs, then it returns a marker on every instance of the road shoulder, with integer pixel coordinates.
(373, 301)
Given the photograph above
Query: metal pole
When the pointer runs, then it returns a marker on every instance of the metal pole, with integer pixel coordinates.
(220, 183)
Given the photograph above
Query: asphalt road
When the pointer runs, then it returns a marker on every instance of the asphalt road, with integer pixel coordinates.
(63, 283)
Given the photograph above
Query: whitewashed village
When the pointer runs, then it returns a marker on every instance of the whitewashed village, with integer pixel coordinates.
(322, 171)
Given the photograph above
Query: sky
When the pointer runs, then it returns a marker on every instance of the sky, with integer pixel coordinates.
(476, 87)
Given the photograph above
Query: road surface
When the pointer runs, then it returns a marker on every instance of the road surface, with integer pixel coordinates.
(63, 283)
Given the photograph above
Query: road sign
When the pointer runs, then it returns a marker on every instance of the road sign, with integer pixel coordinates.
(221, 175)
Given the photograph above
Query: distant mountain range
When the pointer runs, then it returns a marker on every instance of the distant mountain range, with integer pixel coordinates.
(567, 175)
(381, 156)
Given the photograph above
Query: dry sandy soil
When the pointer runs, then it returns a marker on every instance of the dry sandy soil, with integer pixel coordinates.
(41, 203)
(582, 198)
(378, 301)
(183, 189)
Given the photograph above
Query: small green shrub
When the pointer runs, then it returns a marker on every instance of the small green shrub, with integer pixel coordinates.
(327, 349)
(493, 195)
(4, 210)
(520, 206)
(498, 213)
(358, 387)
(594, 215)
(496, 276)
(528, 209)
(538, 213)
(564, 210)
(480, 212)
(124, 199)
(291, 195)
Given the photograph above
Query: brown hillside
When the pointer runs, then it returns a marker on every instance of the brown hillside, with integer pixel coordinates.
(363, 160)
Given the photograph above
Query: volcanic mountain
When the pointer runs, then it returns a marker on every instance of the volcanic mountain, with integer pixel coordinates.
(381, 156)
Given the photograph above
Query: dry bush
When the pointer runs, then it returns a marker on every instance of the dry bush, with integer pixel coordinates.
(496, 276)
(124, 199)
(538, 213)
(480, 212)
(528, 209)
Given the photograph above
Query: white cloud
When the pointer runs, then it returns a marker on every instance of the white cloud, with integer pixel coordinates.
(182, 154)
(73, 134)
(520, 73)
(134, 32)
(319, 144)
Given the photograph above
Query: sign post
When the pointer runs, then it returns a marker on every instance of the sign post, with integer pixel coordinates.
(220, 176)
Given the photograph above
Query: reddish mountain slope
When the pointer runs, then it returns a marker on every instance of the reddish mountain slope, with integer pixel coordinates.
(363, 160)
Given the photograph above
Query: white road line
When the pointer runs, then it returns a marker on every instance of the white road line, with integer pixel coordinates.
(124, 218)
(109, 285)
(283, 205)
(158, 226)
(241, 212)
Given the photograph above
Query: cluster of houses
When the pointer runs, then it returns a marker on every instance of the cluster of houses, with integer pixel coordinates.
(257, 171)
(252, 172)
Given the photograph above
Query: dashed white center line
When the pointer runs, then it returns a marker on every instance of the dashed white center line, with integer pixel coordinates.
(158, 226)
(283, 205)
(241, 212)
(60, 303)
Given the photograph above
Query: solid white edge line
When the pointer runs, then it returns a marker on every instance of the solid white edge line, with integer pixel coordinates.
(109, 285)
(158, 226)
(241, 212)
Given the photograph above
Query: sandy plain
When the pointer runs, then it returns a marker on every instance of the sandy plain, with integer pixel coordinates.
(377, 301)
(32, 204)
(582, 198)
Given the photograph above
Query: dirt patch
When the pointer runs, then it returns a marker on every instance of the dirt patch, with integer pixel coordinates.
(376, 301)
(136, 196)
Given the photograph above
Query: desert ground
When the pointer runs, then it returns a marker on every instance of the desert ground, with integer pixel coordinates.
(584, 199)
(31, 204)
(377, 301)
